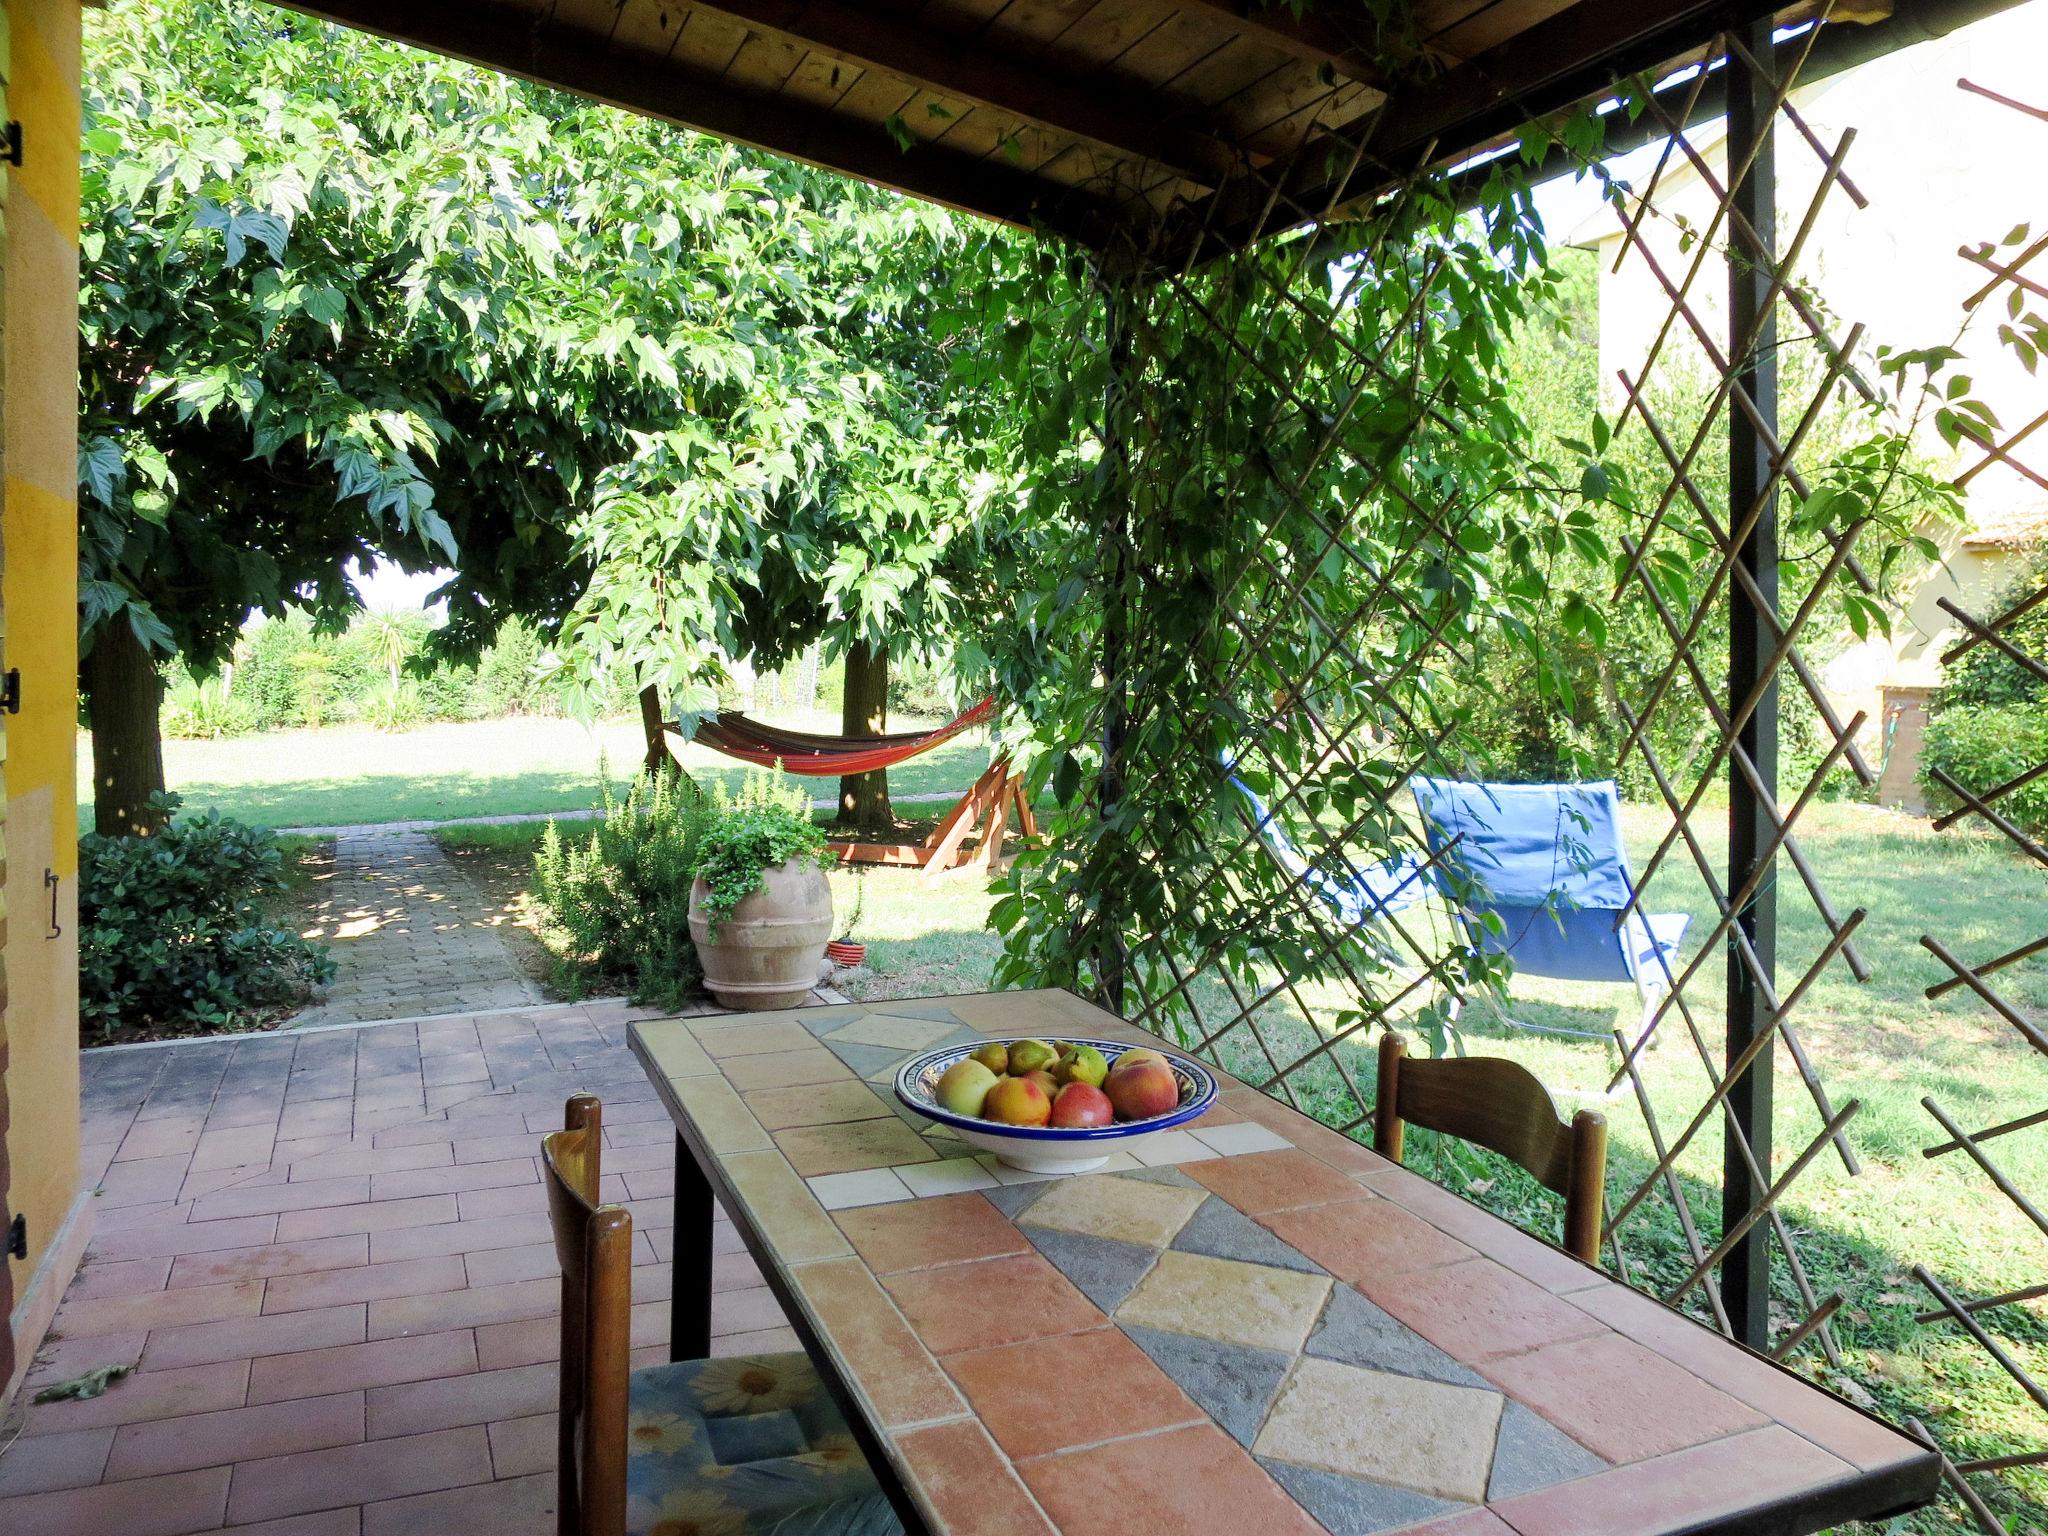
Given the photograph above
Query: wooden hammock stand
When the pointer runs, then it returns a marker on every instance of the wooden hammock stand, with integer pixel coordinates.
(987, 806)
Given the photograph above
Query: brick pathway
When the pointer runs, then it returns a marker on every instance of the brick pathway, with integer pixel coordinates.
(411, 935)
(329, 1252)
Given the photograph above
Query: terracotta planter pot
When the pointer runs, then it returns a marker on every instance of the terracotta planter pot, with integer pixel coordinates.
(845, 952)
(767, 952)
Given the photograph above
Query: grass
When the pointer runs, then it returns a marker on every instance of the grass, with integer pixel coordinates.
(354, 775)
(1880, 1042)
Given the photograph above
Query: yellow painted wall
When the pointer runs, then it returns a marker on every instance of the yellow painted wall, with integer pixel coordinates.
(38, 545)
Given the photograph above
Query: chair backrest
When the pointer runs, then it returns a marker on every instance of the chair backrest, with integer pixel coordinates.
(1546, 860)
(594, 1244)
(1391, 886)
(1499, 1105)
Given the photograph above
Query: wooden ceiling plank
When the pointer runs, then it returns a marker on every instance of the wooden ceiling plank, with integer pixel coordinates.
(976, 74)
(1334, 34)
(503, 38)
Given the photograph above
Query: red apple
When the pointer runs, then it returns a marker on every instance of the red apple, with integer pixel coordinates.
(1082, 1104)
(1141, 1090)
(1017, 1101)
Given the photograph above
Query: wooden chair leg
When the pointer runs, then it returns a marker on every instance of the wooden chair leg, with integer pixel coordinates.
(1386, 1115)
(1585, 1201)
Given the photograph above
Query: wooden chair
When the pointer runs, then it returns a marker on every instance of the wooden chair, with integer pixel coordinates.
(1500, 1106)
(744, 1444)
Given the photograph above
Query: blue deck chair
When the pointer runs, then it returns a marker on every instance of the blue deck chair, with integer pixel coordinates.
(1393, 886)
(1548, 861)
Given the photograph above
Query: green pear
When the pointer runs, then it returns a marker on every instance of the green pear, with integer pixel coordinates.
(1030, 1056)
(1085, 1065)
(965, 1086)
(995, 1056)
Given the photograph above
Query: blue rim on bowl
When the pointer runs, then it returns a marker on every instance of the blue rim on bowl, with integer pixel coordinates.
(1197, 1093)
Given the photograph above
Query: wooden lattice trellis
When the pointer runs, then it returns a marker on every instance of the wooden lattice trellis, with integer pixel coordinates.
(2013, 288)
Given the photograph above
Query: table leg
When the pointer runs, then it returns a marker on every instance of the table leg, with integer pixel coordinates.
(689, 1312)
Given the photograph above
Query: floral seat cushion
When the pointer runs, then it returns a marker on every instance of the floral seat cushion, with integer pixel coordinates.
(743, 1447)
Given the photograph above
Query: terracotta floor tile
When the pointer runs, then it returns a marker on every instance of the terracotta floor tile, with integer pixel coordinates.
(521, 1504)
(1476, 1310)
(454, 1179)
(359, 1474)
(901, 1382)
(459, 1237)
(1195, 1481)
(173, 1237)
(817, 1149)
(143, 1181)
(1619, 1399)
(994, 1301)
(326, 1522)
(159, 1309)
(1273, 1181)
(969, 1483)
(248, 1337)
(236, 1434)
(407, 1278)
(452, 1401)
(270, 1259)
(160, 1138)
(521, 1447)
(505, 1200)
(312, 1373)
(406, 1315)
(118, 1277)
(497, 1266)
(1685, 1489)
(380, 1216)
(1079, 1389)
(70, 1458)
(916, 1234)
(148, 1395)
(1362, 1237)
(145, 1506)
(343, 1163)
(270, 1199)
(234, 1147)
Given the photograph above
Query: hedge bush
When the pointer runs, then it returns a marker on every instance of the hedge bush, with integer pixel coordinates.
(1989, 720)
(173, 931)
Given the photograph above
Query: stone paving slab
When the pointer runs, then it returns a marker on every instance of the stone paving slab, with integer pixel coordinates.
(340, 1298)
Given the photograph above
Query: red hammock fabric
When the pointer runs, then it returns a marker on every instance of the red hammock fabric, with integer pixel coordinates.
(826, 756)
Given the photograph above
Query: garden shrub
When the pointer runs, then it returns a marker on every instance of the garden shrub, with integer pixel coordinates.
(1989, 720)
(174, 933)
(618, 896)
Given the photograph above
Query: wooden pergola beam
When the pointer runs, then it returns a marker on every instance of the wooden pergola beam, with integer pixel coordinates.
(507, 38)
(971, 71)
(1319, 36)
(1573, 55)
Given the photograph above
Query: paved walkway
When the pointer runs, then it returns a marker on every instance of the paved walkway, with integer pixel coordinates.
(328, 1254)
(411, 935)
(527, 818)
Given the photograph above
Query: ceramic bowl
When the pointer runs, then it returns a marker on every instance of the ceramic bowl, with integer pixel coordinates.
(1045, 1148)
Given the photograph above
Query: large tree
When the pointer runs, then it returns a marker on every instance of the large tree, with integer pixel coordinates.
(344, 300)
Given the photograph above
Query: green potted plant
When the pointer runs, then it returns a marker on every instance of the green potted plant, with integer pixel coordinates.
(846, 950)
(760, 907)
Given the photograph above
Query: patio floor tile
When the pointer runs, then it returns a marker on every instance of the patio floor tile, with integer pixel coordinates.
(149, 1395)
(358, 1474)
(236, 1434)
(277, 1377)
(415, 1407)
(71, 1458)
(175, 1505)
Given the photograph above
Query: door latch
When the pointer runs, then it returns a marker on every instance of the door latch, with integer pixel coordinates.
(56, 885)
(10, 691)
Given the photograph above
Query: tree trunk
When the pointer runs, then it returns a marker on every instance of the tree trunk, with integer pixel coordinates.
(654, 726)
(864, 711)
(123, 697)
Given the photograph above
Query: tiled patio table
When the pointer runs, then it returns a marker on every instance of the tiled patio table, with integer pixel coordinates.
(1263, 1328)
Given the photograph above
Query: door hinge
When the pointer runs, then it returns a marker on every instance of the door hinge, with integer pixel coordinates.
(12, 153)
(10, 691)
(17, 1237)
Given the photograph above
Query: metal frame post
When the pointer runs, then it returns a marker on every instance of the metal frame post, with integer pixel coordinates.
(1752, 480)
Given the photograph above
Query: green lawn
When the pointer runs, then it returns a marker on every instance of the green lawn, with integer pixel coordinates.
(1880, 1042)
(350, 776)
